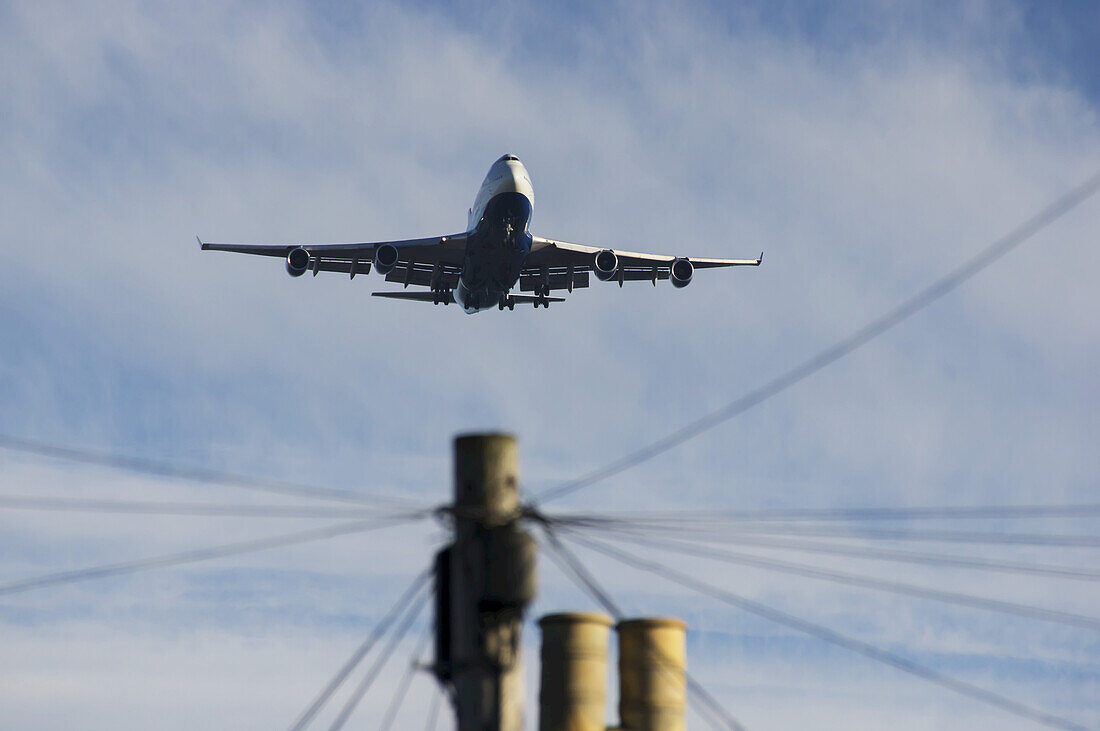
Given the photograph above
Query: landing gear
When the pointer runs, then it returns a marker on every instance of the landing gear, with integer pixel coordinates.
(441, 296)
(543, 300)
(506, 301)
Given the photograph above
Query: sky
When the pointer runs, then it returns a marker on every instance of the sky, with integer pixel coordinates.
(866, 148)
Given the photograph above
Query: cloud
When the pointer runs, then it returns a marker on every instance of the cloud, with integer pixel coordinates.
(866, 151)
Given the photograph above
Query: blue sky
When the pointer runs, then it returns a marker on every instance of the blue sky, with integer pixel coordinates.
(866, 148)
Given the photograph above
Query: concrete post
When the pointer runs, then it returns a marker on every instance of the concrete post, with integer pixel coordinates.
(491, 582)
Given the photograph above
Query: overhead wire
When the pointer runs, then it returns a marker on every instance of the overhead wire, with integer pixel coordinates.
(194, 556)
(144, 466)
(433, 712)
(922, 299)
(572, 567)
(942, 512)
(857, 532)
(832, 636)
(235, 510)
(874, 584)
(414, 590)
(880, 553)
(364, 685)
(406, 681)
(923, 535)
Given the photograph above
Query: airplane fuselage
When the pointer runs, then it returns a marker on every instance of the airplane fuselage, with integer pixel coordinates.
(498, 236)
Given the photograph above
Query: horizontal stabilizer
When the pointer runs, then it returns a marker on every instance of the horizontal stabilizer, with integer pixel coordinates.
(447, 298)
(444, 298)
(530, 299)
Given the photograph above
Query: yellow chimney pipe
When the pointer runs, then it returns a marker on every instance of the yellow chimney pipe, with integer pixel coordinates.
(652, 685)
(573, 687)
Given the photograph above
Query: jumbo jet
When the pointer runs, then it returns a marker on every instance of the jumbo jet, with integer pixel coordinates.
(481, 267)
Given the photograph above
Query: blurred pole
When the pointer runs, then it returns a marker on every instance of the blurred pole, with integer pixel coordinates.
(485, 580)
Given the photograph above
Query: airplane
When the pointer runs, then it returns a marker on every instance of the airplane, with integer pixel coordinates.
(480, 268)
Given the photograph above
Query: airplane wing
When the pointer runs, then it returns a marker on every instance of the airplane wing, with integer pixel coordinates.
(418, 261)
(557, 264)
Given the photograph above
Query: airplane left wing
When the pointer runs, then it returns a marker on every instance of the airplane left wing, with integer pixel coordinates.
(555, 264)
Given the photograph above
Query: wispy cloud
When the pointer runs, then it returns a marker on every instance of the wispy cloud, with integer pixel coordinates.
(865, 149)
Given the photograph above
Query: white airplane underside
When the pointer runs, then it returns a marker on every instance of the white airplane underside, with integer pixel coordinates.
(497, 255)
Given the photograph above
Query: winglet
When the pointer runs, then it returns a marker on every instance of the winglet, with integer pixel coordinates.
(760, 259)
(201, 244)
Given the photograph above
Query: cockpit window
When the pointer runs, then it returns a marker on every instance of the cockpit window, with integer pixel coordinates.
(510, 157)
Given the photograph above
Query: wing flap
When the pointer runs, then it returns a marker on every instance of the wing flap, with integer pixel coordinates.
(421, 275)
(528, 282)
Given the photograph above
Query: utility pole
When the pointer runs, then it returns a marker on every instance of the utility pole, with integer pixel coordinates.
(484, 582)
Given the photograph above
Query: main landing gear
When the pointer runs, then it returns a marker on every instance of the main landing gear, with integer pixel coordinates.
(506, 301)
(542, 292)
(442, 296)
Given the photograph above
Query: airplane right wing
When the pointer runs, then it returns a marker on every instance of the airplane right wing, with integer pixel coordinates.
(411, 261)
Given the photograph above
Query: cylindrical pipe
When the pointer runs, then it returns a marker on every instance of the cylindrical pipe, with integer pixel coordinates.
(573, 685)
(652, 686)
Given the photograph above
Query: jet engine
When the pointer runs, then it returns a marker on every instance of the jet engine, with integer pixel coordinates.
(605, 265)
(680, 273)
(297, 261)
(385, 258)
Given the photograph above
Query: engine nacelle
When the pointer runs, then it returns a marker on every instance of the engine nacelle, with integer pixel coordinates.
(297, 261)
(385, 259)
(605, 265)
(680, 273)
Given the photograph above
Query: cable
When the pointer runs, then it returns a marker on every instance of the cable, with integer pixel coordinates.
(142, 507)
(867, 650)
(814, 572)
(878, 553)
(202, 554)
(842, 532)
(958, 512)
(372, 674)
(406, 681)
(944, 536)
(306, 717)
(433, 713)
(588, 581)
(830, 355)
(144, 466)
(578, 572)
